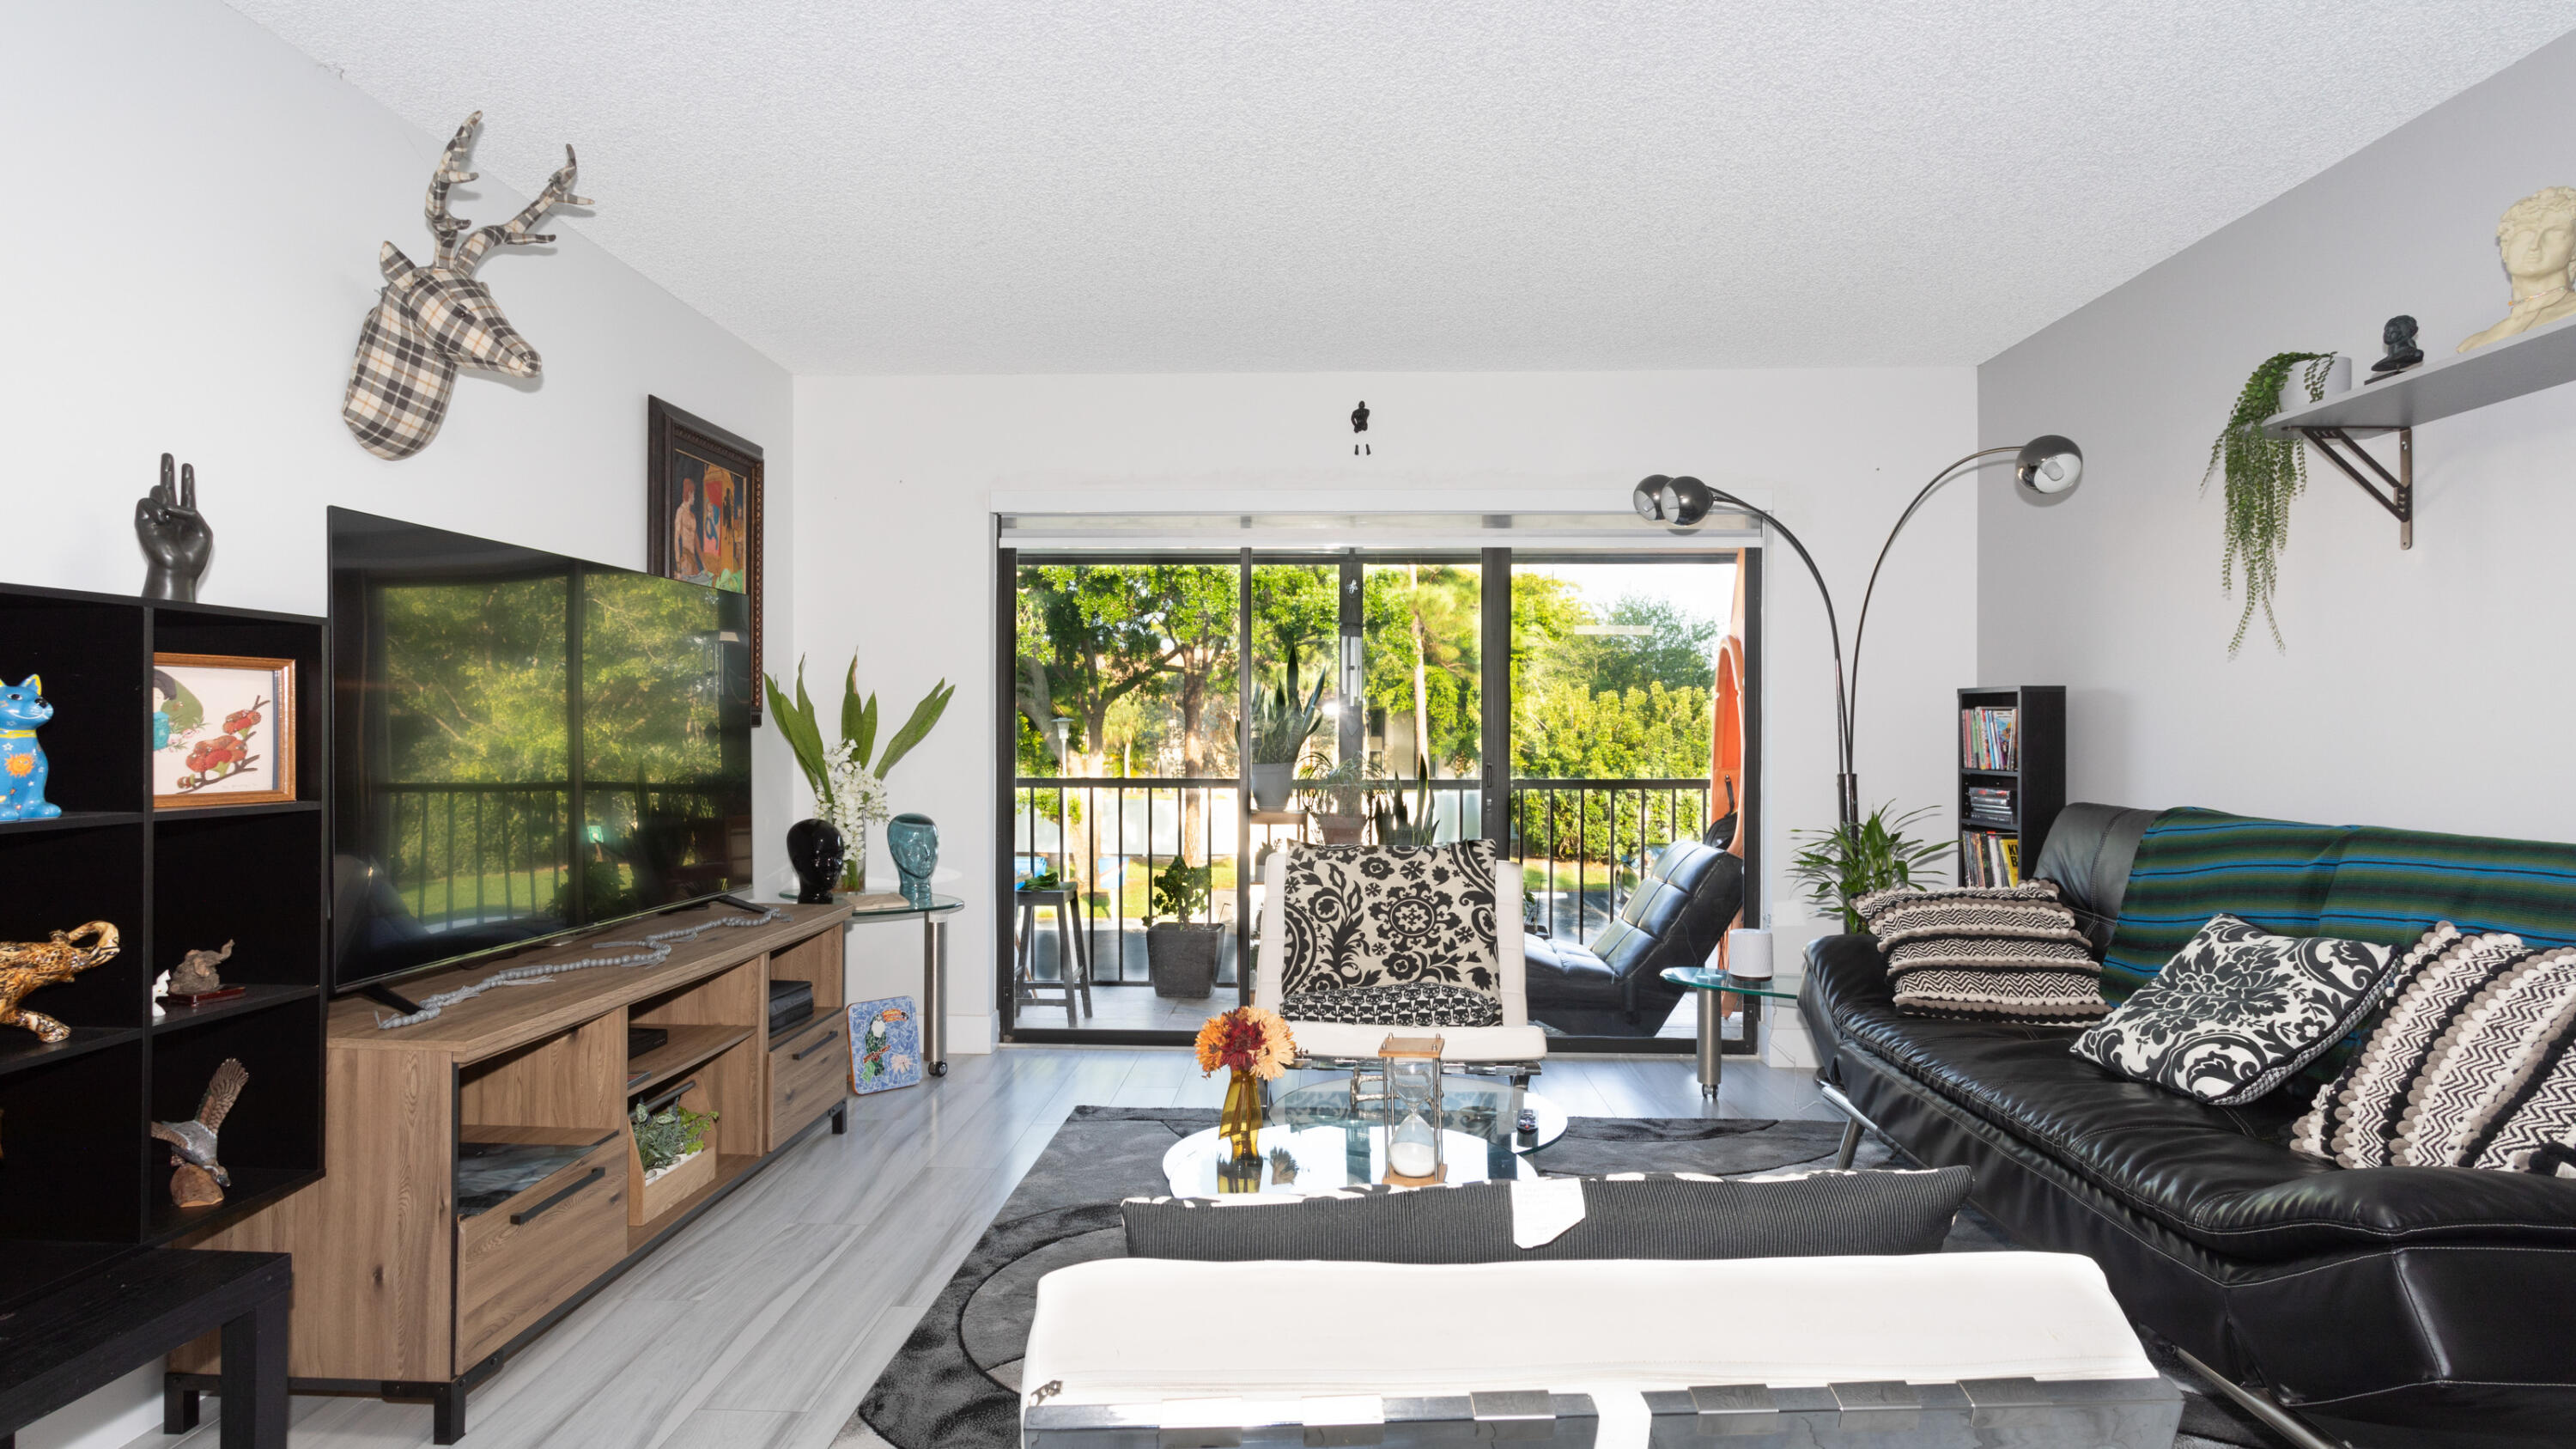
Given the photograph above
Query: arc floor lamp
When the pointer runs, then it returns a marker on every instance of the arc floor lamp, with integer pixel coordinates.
(2046, 467)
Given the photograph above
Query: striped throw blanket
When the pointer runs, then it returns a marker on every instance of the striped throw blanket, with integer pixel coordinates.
(2358, 882)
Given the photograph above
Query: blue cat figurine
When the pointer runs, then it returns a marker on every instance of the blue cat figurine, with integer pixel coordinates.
(22, 760)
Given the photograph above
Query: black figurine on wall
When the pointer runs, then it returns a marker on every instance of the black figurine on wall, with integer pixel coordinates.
(1359, 424)
(176, 541)
(2398, 337)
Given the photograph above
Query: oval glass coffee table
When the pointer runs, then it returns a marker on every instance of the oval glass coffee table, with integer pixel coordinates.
(1712, 1024)
(1328, 1146)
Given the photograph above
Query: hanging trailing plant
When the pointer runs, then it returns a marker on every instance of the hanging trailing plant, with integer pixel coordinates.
(2263, 474)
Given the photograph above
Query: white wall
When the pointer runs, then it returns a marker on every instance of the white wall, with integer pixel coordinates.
(192, 242)
(895, 544)
(2423, 688)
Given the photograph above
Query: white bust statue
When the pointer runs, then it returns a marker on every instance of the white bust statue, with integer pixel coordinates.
(2538, 239)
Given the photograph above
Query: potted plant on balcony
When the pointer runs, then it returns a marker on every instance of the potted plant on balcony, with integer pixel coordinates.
(1281, 725)
(1409, 828)
(1339, 803)
(1180, 953)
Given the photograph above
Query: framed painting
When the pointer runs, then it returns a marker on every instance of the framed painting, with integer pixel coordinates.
(702, 496)
(885, 1045)
(223, 730)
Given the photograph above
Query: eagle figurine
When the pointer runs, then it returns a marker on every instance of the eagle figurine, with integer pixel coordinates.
(200, 1180)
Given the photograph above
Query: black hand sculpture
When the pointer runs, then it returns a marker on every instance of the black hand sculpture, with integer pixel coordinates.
(175, 538)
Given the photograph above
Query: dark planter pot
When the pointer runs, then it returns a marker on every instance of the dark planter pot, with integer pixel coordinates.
(1338, 829)
(814, 848)
(1272, 785)
(1181, 957)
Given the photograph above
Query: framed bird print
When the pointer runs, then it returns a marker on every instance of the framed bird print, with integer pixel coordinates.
(223, 730)
(703, 515)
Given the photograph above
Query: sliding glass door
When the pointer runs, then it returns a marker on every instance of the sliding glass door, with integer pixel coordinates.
(1585, 711)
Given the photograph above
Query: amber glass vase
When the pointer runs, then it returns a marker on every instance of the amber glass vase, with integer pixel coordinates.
(1240, 1123)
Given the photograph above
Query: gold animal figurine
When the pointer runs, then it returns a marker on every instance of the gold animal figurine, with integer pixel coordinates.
(26, 965)
(196, 974)
(200, 1180)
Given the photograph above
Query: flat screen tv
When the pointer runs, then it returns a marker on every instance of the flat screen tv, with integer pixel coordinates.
(523, 745)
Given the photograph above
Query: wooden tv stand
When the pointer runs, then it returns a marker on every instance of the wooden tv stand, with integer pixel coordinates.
(396, 1294)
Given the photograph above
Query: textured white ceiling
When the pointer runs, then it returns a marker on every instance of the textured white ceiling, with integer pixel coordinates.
(921, 186)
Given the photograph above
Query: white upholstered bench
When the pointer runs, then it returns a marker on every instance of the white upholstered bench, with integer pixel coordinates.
(1926, 1349)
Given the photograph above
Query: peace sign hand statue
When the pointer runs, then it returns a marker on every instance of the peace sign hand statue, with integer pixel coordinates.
(174, 535)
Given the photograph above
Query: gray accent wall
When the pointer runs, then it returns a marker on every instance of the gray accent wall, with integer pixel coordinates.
(2430, 689)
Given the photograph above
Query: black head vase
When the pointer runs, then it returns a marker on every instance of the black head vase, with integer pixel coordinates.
(814, 848)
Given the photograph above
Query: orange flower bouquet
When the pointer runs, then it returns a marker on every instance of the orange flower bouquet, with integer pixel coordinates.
(1255, 1046)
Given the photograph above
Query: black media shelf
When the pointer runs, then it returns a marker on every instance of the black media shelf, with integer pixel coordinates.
(22, 1050)
(184, 813)
(255, 998)
(2037, 787)
(77, 1164)
(72, 820)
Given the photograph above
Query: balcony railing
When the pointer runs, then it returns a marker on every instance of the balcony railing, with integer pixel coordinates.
(463, 852)
(1583, 844)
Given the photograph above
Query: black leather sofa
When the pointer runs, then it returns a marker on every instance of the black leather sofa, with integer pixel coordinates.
(2391, 1306)
(1615, 987)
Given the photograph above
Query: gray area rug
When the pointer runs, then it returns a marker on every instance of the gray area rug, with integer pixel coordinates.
(955, 1383)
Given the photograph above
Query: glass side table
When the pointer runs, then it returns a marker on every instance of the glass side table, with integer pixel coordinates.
(934, 965)
(1712, 1021)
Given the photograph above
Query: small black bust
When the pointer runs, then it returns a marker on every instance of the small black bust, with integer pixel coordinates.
(2399, 339)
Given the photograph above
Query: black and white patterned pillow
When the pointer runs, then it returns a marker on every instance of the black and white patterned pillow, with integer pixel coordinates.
(1411, 1003)
(1986, 953)
(2471, 1067)
(2237, 1010)
(1371, 915)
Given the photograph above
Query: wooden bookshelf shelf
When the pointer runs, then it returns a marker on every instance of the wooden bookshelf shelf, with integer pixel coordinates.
(689, 1048)
(2037, 788)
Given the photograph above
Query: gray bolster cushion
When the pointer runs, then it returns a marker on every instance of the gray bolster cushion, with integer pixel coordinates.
(1868, 1213)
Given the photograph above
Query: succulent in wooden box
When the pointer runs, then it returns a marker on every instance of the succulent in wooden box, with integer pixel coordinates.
(670, 1136)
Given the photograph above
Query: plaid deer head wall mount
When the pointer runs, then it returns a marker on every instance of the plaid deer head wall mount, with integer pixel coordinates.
(431, 319)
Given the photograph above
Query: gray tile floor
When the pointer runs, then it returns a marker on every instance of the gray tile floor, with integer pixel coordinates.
(762, 1324)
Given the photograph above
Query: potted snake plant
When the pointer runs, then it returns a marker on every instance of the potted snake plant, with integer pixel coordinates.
(1281, 725)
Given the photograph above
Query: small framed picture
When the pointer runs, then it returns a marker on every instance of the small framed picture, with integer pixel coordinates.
(223, 730)
(703, 491)
(885, 1045)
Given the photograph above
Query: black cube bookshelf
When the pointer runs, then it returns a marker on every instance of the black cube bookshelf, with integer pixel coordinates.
(2032, 777)
(77, 1166)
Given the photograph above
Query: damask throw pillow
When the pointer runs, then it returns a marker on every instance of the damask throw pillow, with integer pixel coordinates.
(2237, 1010)
(1986, 953)
(2472, 1066)
(1412, 1003)
(1359, 915)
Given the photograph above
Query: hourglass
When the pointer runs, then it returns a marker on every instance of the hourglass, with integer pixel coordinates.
(1411, 1067)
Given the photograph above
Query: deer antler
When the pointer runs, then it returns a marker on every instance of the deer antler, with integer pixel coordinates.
(451, 170)
(514, 232)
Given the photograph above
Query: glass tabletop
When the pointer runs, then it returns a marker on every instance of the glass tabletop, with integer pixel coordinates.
(1314, 1142)
(1701, 978)
(939, 906)
(1477, 1107)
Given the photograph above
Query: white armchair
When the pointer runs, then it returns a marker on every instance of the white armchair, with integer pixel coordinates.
(1514, 1048)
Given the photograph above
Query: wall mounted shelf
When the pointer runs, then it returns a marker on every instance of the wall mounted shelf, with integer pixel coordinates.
(2463, 382)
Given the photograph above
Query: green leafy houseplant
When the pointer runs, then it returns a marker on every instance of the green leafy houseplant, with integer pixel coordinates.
(665, 1138)
(2263, 474)
(1181, 889)
(1849, 861)
(848, 791)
